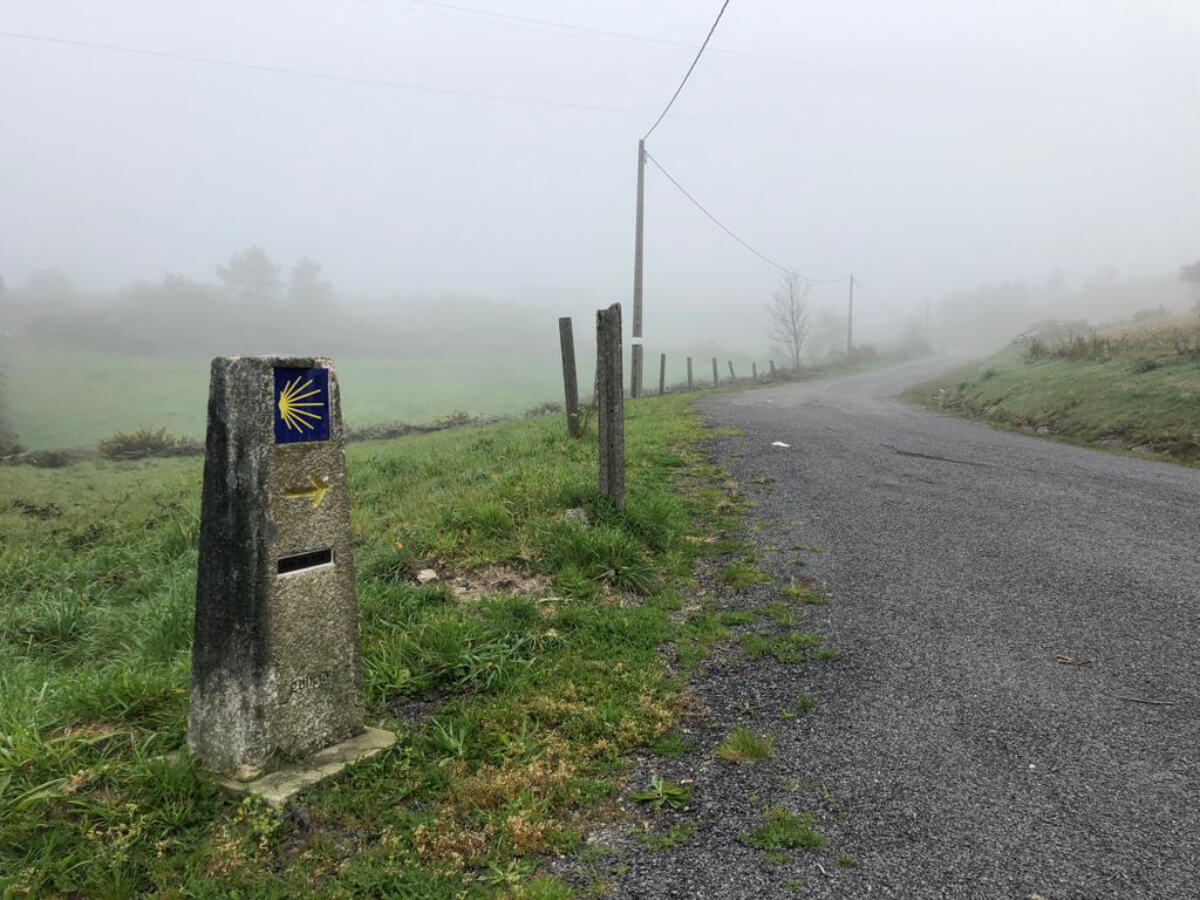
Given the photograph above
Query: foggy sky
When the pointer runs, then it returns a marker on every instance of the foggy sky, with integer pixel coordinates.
(927, 146)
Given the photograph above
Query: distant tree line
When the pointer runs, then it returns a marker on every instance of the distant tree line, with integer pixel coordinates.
(251, 308)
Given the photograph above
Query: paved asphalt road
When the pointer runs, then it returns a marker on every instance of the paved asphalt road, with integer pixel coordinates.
(960, 758)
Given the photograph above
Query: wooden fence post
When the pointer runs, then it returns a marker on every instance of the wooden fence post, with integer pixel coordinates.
(732, 377)
(716, 381)
(689, 373)
(772, 370)
(610, 404)
(566, 339)
(754, 370)
(662, 373)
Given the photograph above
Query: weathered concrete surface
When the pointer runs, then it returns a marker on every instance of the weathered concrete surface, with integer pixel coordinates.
(280, 786)
(275, 666)
(610, 404)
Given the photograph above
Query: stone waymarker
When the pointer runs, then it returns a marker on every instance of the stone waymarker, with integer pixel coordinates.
(275, 662)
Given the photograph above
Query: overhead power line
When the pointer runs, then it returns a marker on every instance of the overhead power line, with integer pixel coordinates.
(304, 73)
(495, 17)
(688, 74)
(715, 220)
(724, 228)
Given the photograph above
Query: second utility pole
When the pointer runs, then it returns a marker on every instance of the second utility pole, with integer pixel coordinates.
(850, 318)
(635, 387)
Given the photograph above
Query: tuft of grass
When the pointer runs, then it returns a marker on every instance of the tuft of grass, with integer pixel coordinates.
(676, 836)
(806, 702)
(734, 618)
(828, 654)
(743, 746)
(783, 830)
(790, 647)
(672, 744)
(779, 613)
(846, 861)
(804, 593)
(603, 553)
(741, 574)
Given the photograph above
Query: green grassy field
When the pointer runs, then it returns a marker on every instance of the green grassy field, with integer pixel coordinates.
(67, 399)
(515, 709)
(1139, 390)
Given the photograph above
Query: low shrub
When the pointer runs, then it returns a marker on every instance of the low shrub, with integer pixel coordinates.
(49, 459)
(549, 407)
(145, 443)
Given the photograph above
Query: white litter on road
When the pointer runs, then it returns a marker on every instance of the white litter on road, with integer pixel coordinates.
(779, 444)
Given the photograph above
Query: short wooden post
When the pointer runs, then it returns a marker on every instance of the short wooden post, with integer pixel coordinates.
(754, 370)
(566, 340)
(772, 370)
(610, 404)
(635, 375)
(716, 380)
(662, 374)
(732, 377)
(689, 373)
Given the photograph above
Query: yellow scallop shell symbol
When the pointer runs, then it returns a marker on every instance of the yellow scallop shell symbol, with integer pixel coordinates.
(295, 407)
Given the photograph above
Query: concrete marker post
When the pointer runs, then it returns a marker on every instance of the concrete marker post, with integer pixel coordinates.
(716, 380)
(566, 340)
(610, 404)
(275, 658)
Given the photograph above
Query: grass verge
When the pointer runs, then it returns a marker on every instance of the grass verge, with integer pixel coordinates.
(1132, 393)
(515, 698)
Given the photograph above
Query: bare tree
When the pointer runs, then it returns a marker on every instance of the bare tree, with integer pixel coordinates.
(788, 310)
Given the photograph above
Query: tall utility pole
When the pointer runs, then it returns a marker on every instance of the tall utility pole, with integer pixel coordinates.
(635, 388)
(850, 318)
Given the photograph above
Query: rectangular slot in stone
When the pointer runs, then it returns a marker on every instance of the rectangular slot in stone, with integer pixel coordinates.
(300, 561)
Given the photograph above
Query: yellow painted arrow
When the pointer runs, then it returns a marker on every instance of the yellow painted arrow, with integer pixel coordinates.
(316, 492)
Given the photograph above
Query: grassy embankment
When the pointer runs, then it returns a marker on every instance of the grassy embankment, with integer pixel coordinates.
(515, 700)
(1134, 389)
